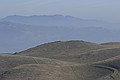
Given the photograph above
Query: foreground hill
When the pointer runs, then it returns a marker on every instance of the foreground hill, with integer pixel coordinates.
(52, 72)
(63, 60)
(10, 61)
(90, 56)
(75, 51)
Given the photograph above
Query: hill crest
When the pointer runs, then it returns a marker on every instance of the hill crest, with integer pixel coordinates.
(61, 48)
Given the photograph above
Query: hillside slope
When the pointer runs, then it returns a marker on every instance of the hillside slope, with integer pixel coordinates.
(53, 72)
(111, 44)
(62, 60)
(61, 48)
(10, 61)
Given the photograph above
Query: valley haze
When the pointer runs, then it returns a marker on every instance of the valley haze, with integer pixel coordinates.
(18, 32)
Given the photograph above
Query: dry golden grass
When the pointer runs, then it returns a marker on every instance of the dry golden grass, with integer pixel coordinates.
(10, 61)
(63, 60)
(61, 48)
(53, 72)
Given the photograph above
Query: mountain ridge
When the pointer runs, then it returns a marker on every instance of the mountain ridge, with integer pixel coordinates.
(54, 20)
(17, 35)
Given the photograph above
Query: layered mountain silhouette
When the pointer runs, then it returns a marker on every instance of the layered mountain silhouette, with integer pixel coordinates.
(21, 32)
(56, 20)
(63, 60)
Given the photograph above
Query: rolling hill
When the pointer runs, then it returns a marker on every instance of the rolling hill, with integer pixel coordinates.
(63, 60)
(74, 51)
(61, 48)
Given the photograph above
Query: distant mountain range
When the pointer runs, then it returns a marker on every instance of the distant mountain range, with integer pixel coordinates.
(56, 20)
(21, 32)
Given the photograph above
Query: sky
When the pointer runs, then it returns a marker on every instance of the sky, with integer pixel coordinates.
(107, 10)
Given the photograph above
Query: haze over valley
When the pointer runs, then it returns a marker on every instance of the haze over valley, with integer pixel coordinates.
(18, 33)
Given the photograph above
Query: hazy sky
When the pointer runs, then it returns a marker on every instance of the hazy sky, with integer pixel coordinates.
(108, 10)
